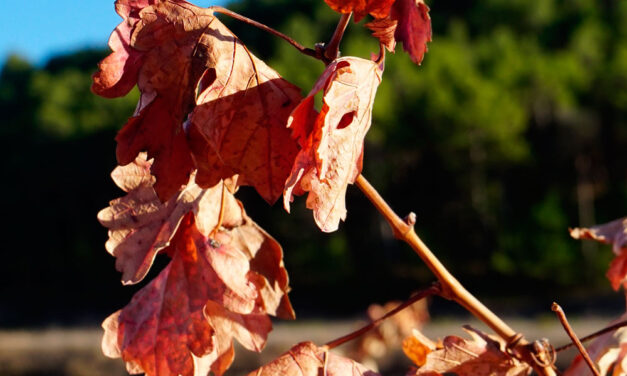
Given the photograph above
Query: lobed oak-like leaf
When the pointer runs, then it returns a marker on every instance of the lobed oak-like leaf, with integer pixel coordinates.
(226, 275)
(171, 49)
(307, 359)
(614, 233)
(481, 355)
(184, 321)
(608, 351)
(332, 141)
(141, 226)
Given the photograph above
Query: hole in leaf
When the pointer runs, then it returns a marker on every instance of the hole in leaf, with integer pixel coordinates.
(346, 120)
(342, 64)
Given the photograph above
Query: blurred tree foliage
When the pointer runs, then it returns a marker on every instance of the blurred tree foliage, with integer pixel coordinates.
(513, 129)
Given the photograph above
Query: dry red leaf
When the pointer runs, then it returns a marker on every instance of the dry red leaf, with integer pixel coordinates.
(614, 233)
(140, 227)
(161, 37)
(479, 356)
(405, 21)
(608, 351)
(384, 30)
(225, 276)
(171, 48)
(332, 141)
(183, 322)
(118, 72)
(360, 8)
(238, 126)
(413, 28)
(307, 359)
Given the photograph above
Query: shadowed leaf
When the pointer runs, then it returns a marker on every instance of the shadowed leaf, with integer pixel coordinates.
(172, 50)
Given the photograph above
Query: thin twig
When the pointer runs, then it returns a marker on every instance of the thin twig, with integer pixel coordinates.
(562, 317)
(305, 50)
(221, 213)
(594, 335)
(433, 290)
(332, 49)
(452, 288)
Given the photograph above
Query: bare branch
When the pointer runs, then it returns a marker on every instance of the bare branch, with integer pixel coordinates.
(594, 335)
(435, 289)
(332, 49)
(451, 288)
(562, 317)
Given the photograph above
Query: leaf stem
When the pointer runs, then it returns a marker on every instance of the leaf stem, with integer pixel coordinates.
(561, 316)
(435, 289)
(304, 50)
(332, 49)
(594, 335)
(452, 288)
(222, 210)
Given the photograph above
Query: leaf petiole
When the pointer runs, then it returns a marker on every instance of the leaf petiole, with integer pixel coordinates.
(332, 49)
(304, 50)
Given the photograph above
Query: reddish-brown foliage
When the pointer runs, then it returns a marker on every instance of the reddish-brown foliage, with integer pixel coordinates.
(413, 28)
(212, 117)
(332, 141)
(225, 276)
(171, 49)
(409, 23)
(166, 327)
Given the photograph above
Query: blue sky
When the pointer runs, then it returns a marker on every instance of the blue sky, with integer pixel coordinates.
(39, 29)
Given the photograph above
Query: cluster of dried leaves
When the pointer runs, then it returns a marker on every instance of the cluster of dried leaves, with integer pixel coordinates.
(212, 117)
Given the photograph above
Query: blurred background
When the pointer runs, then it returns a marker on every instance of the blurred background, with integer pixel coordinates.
(513, 129)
